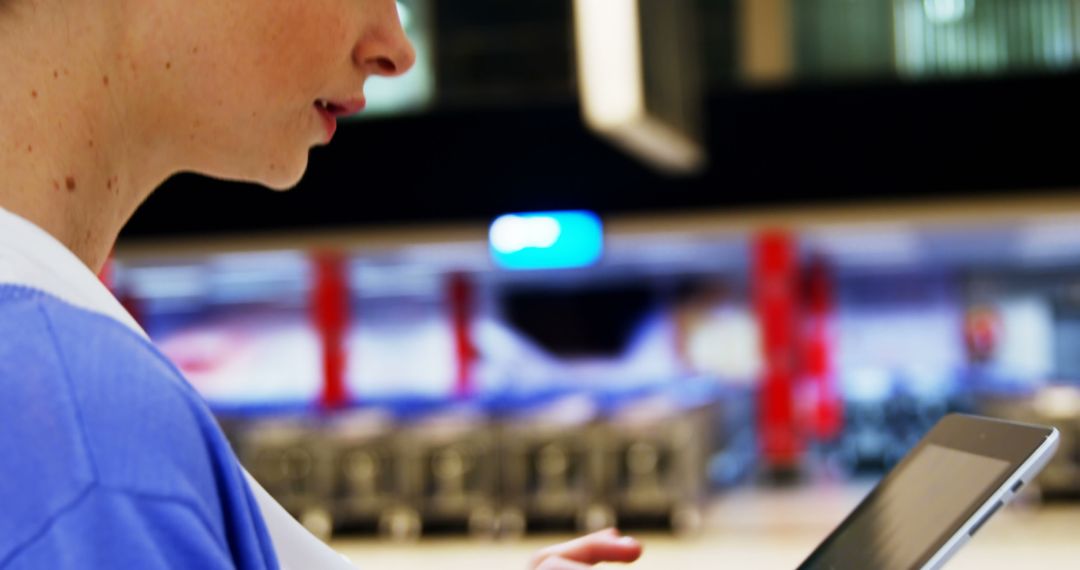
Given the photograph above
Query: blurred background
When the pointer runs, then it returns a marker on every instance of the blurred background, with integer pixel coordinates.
(705, 269)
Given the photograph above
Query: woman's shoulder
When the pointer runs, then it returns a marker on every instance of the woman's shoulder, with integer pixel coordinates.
(106, 403)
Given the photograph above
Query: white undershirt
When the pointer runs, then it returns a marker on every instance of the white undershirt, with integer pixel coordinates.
(31, 257)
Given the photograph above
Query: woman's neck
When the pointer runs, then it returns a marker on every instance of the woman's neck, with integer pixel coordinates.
(74, 156)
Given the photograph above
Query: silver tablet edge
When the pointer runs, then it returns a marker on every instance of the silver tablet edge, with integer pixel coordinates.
(1026, 473)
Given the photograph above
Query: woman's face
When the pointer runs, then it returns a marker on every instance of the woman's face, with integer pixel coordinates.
(247, 87)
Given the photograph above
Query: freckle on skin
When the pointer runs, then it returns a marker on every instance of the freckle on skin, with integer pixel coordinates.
(29, 148)
(55, 74)
(90, 143)
(168, 65)
(105, 80)
(69, 183)
(34, 94)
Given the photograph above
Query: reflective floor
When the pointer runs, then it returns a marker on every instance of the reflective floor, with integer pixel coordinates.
(759, 530)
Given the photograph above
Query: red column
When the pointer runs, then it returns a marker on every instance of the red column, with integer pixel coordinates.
(775, 291)
(330, 315)
(127, 299)
(826, 413)
(460, 304)
(106, 275)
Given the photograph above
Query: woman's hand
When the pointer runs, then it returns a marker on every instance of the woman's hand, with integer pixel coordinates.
(604, 546)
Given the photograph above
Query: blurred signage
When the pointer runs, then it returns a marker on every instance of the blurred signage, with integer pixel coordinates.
(547, 240)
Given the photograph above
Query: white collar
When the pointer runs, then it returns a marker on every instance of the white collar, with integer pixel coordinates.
(31, 257)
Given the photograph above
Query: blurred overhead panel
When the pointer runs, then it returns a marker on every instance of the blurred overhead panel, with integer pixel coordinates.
(638, 75)
(816, 40)
(765, 41)
(840, 39)
(984, 37)
(495, 53)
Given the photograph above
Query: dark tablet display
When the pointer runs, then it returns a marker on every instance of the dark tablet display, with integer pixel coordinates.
(926, 500)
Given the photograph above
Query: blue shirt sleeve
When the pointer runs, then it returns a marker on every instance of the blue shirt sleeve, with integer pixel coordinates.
(106, 528)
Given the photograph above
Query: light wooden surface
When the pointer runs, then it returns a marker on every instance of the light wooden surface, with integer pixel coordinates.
(758, 530)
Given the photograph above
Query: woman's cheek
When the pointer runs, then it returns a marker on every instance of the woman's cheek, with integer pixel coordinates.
(313, 47)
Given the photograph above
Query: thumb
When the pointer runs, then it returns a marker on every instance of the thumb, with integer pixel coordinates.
(603, 546)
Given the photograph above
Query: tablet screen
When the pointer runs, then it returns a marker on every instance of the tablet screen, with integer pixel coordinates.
(912, 512)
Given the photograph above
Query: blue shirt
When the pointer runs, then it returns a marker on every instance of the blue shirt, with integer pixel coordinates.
(108, 458)
(33, 259)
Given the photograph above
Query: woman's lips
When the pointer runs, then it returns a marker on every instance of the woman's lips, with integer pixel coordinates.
(331, 111)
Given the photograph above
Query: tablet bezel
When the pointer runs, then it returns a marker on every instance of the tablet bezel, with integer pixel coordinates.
(1025, 447)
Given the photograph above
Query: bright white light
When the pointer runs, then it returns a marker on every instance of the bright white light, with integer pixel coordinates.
(947, 11)
(611, 79)
(727, 344)
(869, 384)
(511, 234)
(609, 61)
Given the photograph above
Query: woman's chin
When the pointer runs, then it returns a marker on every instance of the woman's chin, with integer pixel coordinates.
(281, 185)
(282, 178)
(279, 173)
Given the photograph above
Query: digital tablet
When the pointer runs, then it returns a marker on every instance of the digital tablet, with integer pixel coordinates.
(938, 496)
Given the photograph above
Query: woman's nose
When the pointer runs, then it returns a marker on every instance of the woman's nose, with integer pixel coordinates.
(385, 50)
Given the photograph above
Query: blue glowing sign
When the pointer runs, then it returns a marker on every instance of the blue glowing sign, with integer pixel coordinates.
(547, 240)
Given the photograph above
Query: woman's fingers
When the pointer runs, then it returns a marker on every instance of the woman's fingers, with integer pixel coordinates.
(557, 563)
(603, 546)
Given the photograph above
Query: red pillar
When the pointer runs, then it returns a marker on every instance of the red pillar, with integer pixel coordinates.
(127, 299)
(776, 293)
(106, 275)
(826, 411)
(330, 315)
(460, 304)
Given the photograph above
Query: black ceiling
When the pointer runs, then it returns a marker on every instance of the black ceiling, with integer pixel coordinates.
(805, 145)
